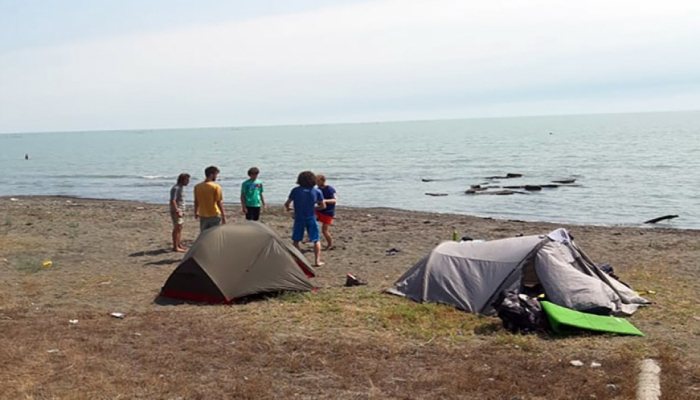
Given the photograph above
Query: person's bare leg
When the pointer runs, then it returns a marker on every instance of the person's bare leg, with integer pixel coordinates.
(296, 244)
(177, 237)
(317, 253)
(325, 229)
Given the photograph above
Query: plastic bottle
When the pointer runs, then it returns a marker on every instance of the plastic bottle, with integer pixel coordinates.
(455, 236)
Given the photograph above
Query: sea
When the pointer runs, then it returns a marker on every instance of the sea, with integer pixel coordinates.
(626, 168)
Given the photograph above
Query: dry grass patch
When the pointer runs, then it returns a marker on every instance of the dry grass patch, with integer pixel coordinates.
(159, 356)
(672, 301)
(17, 243)
(680, 379)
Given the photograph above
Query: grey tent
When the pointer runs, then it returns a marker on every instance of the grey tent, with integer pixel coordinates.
(470, 275)
(233, 261)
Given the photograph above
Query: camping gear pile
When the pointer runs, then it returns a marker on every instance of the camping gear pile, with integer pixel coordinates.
(520, 313)
(481, 277)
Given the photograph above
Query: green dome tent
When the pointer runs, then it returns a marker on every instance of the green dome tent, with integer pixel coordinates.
(232, 261)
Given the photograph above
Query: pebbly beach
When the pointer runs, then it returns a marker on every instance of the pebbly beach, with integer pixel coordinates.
(111, 256)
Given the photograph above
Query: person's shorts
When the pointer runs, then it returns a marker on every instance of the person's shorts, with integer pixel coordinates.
(253, 213)
(209, 222)
(324, 218)
(177, 220)
(310, 225)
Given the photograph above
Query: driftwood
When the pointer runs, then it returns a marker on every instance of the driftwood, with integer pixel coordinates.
(565, 181)
(436, 194)
(508, 176)
(478, 188)
(665, 217)
(530, 188)
(495, 192)
(504, 192)
(539, 187)
(484, 187)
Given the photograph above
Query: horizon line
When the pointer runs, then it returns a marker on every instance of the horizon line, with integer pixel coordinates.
(350, 123)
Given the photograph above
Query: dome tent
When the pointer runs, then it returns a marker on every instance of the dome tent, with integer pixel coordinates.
(470, 275)
(232, 261)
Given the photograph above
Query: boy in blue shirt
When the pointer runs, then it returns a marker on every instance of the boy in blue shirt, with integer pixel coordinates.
(252, 198)
(307, 199)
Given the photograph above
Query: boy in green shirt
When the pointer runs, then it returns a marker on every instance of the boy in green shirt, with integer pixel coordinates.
(252, 198)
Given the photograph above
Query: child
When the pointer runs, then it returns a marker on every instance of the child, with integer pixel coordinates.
(326, 215)
(252, 198)
(177, 209)
(306, 198)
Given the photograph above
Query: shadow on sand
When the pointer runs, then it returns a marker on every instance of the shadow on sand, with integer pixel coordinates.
(163, 262)
(149, 253)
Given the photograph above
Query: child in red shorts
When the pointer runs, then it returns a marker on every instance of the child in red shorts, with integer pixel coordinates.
(325, 216)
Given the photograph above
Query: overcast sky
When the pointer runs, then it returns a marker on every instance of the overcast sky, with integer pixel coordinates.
(123, 64)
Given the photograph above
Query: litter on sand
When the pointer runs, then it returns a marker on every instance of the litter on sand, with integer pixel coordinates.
(392, 251)
(73, 321)
(117, 315)
(643, 292)
(352, 280)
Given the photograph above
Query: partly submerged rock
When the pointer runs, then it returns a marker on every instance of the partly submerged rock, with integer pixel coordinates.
(507, 176)
(565, 181)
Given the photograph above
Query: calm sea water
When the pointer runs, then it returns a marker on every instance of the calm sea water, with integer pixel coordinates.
(630, 167)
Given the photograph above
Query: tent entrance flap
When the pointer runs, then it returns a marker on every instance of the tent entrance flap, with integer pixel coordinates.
(510, 278)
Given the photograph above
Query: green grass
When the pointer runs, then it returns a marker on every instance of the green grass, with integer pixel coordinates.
(378, 312)
(428, 321)
(29, 264)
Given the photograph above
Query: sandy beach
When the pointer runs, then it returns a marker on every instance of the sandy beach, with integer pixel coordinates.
(113, 256)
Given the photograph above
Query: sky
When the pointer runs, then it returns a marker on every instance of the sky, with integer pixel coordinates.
(133, 64)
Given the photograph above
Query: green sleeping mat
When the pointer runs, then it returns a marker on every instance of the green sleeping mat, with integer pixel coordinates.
(563, 319)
